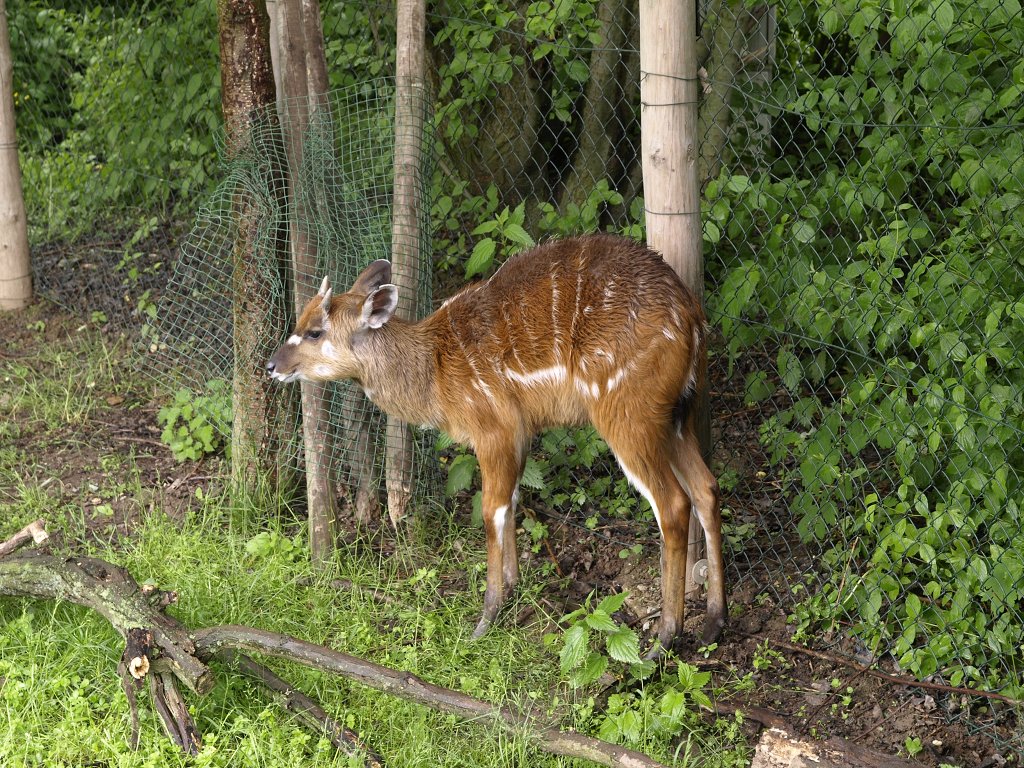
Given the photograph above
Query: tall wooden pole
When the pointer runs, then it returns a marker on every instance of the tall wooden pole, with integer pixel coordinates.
(303, 73)
(669, 90)
(407, 214)
(15, 269)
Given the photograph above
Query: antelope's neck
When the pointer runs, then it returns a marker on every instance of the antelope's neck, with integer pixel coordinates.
(398, 372)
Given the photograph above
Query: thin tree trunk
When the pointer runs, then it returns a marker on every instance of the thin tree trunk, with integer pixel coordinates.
(669, 142)
(601, 96)
(15, 268)
(723, 64)
(407, 215)
(247, 91)
(301, 43)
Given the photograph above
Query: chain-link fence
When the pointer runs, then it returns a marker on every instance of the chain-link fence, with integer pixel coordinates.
(863, 175)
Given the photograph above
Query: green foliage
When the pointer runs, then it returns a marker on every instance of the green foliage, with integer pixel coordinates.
(195, 425)
(562, 474)
(114, 114)
(885, 276)
(581, 657)
(653, 711)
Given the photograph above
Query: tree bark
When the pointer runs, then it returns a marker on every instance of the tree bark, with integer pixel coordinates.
(247, 93)
(670, 151)
(777, 749)
(304, 86)
(600, 99)
(407, 236)
(15, 267)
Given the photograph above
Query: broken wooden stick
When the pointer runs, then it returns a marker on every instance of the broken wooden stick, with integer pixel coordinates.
(34, 532)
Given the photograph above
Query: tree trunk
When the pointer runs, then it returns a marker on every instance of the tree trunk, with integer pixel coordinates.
(407, 217)
(304, 83)
(598, 131)
(670, 155)
(15, 268)
(247, 91)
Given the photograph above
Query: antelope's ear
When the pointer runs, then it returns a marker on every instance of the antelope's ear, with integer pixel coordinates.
(325, 287)
(380, 306)
(373, 277)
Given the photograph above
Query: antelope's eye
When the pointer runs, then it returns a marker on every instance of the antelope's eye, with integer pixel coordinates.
(314, 335)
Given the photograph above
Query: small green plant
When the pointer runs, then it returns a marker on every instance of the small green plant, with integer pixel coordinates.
(766, 657)
(912, 745)
(273, 544)
(580, 656)
(196, 425)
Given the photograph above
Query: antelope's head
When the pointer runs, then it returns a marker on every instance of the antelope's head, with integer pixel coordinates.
(332, 330)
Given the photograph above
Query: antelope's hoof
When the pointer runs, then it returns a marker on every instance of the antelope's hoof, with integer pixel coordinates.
(481, 628)
(713, 626)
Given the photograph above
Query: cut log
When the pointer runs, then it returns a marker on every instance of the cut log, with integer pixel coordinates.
(777, 749)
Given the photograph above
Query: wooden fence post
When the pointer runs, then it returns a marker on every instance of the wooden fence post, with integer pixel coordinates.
(669, 90)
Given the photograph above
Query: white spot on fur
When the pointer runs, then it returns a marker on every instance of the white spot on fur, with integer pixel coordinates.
(668, 334)
(556, 374)
(329, 350)
(616, 378)
(635, 482)
(323, 370)
(500, 515)
(595, 390)
(294, 340)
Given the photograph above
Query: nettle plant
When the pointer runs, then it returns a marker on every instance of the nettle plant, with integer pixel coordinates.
(887, 283)
(197, 425)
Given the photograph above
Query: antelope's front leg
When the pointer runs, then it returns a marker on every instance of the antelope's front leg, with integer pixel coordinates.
(500, 476)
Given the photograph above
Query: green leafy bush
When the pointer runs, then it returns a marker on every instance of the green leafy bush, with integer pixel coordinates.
(196, 425)
(885, 277)
(118, 111)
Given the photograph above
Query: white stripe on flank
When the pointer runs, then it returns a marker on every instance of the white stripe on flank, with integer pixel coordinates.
(294, 340)
(482, 386)
(691, 379)
(635, 482)
(556, 374)
(556, 343)
(618, 376)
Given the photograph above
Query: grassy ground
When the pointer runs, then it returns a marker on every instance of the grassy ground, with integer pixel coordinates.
(79, 448)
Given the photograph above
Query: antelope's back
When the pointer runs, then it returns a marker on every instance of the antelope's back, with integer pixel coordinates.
(562, 326)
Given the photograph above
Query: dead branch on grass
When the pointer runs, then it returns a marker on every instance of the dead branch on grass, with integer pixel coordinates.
(166, 653)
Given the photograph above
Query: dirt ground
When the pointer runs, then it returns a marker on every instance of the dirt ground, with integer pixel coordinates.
(817, 693)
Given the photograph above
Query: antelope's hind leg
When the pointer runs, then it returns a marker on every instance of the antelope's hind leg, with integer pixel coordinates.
(500, 471)
(701, 487)
(643, 451)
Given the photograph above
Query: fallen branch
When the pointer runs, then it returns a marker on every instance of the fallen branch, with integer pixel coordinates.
(408, 686)
(169, 653)
(34, 531)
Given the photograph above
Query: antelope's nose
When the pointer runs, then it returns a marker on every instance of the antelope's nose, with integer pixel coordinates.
(271, 365)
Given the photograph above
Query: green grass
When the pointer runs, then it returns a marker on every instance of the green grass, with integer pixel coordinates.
(61, 703)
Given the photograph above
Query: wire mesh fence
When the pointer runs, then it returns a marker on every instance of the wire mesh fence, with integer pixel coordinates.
(863, 175)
